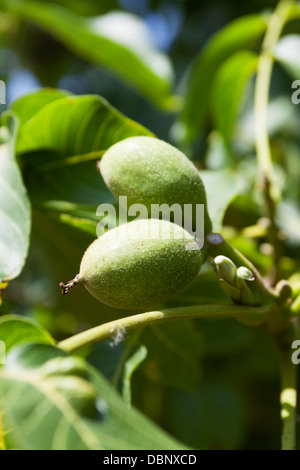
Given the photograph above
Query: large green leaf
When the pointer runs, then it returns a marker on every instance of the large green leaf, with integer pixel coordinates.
(15, 214)
(15, 330)
(27, 106)
(227, 90)
(46, 419)
(117, 40)
(60, 146)
(238, 35)
(81, 127)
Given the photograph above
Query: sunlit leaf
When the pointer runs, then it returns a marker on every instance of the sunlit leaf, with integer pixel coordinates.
(60, 146)
(47, 417)
(27, 106)
(75, 126)
(15, 330)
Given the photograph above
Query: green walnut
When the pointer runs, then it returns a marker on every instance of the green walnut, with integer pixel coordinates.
(150, 171)
(139, 264)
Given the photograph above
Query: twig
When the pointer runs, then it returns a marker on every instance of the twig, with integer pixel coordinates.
(106, 330)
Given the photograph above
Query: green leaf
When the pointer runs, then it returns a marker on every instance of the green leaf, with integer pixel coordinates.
(238, 35)
(15, 330)
(30, 356)
(117, 40)
(286, 53)
(173, 354)
(27, 106)
(106, 357)
(46, 418)
(227, 90)
(222, 187)
(15, 214)
(211, 418)
(60, 145)
(294, 11)
(76, 129)
(224, 337)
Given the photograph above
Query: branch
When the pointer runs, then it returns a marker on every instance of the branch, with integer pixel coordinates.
(123, 325)
(262, 88)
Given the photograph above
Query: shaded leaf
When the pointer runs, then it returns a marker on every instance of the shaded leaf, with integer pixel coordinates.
(90, 7)
(227, 90)
(238, 35)
(173, 353)
(224, 337)
(106, 357)
(211, 418)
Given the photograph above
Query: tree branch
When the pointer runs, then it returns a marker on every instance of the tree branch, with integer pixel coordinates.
(122, 325)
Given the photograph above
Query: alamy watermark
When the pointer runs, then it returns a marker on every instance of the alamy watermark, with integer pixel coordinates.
(2, 352)
(2, 92)
(190, 217)
(296, 95)
(296, 354)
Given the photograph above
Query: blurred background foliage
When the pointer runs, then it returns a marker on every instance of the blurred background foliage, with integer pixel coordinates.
(211, 384)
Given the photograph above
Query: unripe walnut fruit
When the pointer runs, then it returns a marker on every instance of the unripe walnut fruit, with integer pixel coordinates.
(150, 171)
(139, 264)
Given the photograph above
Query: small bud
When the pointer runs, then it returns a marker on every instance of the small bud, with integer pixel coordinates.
(248, 297)
(231, 291)
(243, 274)
(226, 269)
